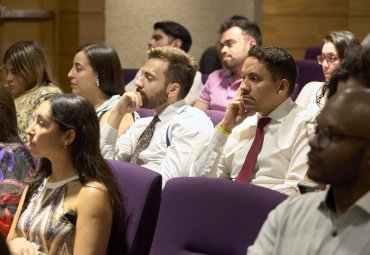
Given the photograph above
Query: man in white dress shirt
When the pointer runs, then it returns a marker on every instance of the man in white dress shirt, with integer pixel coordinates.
(269, 75)
(181, 131)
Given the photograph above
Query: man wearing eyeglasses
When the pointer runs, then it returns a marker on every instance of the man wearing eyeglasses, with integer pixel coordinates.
(335, 221)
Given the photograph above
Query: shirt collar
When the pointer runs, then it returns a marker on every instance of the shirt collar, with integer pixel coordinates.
(280, 112)
(171, 110)
(327, 202)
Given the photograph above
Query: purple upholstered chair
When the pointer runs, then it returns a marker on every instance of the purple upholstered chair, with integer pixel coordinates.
(215, 116)
(141, 189)
(129, 74)
(201, 215)
(308, 70)
(144, 112)
(312, 52)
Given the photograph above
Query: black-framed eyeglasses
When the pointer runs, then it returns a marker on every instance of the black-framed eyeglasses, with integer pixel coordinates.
(325, 135)
(329, 59)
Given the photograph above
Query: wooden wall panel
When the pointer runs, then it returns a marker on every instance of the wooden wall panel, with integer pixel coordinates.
(359, 8)
(298, 7)
(298, 24)
(82, 5)
(91, 27)
(359, 26)
(80, 22)
(299, 31)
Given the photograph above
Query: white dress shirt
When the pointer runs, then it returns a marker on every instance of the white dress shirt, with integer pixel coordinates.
(187, 129)
(190, 99)
(308, 225)
(308, 95)
(282, 161)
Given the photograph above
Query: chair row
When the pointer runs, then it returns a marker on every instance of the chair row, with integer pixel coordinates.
(192, 215)
(215, 116)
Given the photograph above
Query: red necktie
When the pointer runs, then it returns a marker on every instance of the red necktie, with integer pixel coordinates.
(246, 172)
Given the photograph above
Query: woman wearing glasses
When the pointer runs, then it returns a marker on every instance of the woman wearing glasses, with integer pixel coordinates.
(337, 46)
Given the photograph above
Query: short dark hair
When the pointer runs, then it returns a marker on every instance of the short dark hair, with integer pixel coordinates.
(278, 62)
(181, 67)
(177, 31)
(249, 28)
(105, 61)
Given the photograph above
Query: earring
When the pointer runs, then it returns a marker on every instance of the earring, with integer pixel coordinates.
(97, 83)
(65, 146)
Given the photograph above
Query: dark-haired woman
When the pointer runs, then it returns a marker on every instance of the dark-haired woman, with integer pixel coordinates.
(73, 204)
(336, 48)
(96, 75)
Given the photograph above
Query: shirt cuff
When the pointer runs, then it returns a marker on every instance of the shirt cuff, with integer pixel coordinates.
(109, 134)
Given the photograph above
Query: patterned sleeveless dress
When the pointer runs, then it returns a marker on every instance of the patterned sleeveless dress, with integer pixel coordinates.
(44, 223)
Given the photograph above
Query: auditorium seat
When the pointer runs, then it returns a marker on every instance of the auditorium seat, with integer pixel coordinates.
(200, 215)
(129, 74)
(308, 70)
(141, 189)
(312, 52)
(215, 116)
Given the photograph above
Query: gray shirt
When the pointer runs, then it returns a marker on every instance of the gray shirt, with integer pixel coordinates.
(308, 225)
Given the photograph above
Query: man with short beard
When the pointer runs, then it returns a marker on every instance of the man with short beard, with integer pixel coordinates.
(237, 36)
(180, 130)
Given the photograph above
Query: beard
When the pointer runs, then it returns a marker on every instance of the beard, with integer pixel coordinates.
(154, 101)
(233, 63)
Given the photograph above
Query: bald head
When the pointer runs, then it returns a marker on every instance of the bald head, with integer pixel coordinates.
(349, 111)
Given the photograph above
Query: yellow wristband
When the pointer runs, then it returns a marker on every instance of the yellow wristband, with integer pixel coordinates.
(222, 130)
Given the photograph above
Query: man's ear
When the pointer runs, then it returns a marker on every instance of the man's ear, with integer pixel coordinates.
(173, 90)
(283, 87)
(252, 42)
(176, 43)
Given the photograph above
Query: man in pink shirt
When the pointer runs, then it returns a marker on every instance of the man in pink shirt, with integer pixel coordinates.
(237, 36)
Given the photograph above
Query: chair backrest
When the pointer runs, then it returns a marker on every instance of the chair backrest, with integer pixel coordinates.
(215, 116)
(308, 70)
(129, 74)
(144, 112)
(202, 215)
(141, 189)
(312, 52)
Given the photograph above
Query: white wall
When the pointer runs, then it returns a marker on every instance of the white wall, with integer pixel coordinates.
(129, 23)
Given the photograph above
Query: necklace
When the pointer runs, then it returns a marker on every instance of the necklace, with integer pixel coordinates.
(54, 185)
